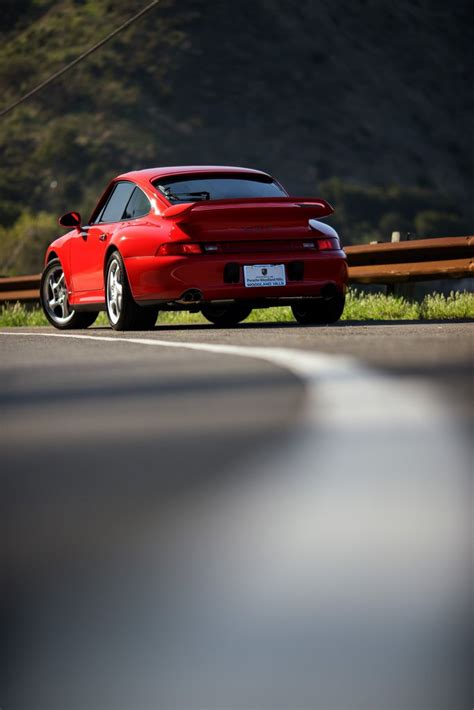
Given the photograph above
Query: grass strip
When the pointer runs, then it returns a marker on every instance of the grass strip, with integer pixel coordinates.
(359, 307)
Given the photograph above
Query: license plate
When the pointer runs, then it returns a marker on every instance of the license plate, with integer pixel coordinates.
(264, 275)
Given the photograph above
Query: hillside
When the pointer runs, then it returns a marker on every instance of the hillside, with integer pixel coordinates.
(368, 104)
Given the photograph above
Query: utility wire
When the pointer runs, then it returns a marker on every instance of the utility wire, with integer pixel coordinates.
(78, 59)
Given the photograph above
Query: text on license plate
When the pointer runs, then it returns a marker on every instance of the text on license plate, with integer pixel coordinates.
(265, 275)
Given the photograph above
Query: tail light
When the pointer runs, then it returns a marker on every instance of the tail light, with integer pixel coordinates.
(330, 244)
(178, 249)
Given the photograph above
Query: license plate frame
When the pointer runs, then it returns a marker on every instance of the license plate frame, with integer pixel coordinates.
(264, 275)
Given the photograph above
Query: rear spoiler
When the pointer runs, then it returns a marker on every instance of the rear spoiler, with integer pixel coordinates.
(280, 206)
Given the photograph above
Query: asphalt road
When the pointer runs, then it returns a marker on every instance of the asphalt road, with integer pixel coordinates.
(280, 522)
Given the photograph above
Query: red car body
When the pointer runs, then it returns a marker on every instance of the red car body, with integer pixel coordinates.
(189, 252)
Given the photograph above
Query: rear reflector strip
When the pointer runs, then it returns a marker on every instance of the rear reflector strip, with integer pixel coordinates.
(254, 247)
(259, 247)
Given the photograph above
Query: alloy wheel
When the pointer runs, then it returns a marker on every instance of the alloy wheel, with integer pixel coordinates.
(55, 297)
(114, 291)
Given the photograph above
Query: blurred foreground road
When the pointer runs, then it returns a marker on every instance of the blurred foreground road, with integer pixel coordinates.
(283, 528)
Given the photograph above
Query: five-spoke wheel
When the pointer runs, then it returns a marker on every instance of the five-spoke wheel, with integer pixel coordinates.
(114, 291)
(55, 302)
(122, 310)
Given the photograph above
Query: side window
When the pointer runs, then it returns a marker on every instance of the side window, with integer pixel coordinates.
(115, 206)
(138, 205)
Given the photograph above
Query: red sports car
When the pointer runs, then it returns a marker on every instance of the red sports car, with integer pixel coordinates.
(220, 240)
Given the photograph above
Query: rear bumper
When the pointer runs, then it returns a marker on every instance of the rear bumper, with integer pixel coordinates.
(165, 279)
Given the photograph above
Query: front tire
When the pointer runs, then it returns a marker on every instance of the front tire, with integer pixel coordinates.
(55, 303)
(319, 312)
(122, 311)
(226, 316)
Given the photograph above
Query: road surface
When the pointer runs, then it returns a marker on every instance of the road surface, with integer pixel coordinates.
(263, 517)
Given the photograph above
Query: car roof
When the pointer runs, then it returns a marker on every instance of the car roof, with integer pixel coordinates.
(145, 177)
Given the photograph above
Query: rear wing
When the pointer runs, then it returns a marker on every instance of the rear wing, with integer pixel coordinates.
(255, 209)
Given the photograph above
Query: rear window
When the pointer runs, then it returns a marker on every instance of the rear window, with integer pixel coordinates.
(191, 188)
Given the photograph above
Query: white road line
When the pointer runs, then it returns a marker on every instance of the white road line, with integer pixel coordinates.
(300, 362)
(347, 391)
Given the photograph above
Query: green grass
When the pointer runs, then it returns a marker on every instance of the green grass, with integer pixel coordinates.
(359, 307)
(456, 305)
(17, 316)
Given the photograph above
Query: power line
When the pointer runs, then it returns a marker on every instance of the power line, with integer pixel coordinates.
(78, 59)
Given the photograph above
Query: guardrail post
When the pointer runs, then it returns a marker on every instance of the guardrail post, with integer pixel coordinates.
(405, 290)
(402, 290)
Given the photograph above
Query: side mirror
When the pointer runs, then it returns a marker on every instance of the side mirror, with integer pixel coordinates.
(70, 219)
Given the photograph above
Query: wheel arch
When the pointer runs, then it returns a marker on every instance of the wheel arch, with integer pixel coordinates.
(62, 255)
(110, 250)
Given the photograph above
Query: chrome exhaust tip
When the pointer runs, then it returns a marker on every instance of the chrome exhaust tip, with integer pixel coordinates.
(192, 295)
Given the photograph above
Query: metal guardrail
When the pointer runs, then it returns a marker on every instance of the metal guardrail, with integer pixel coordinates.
(410, 261)
(24, 289)
(381, 263)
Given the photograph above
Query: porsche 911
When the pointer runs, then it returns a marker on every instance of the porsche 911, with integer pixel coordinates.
(220, 240)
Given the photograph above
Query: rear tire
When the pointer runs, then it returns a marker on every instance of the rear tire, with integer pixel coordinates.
(319, 312)
(226, 316)
(55, 303)
(122, 310)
